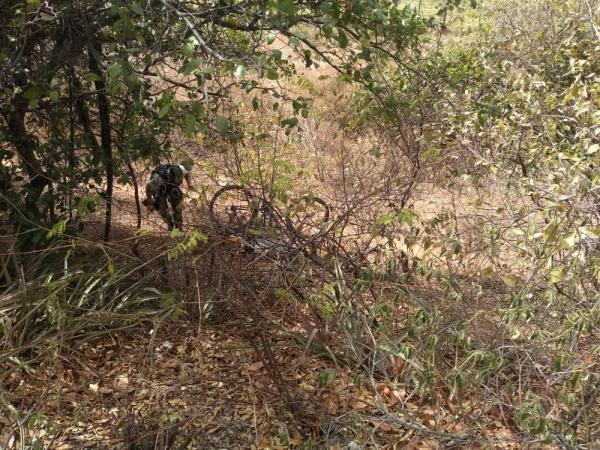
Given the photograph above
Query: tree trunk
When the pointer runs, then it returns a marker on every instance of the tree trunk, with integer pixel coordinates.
(94, 53)
(25, 145)
(71, 179)
(136, 194)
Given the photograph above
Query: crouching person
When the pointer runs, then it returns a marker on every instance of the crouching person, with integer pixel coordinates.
(163, 193)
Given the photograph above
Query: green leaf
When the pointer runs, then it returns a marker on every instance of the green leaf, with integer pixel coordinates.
(111, 268)
(284, 437)
(198, 109)
(136, 8)
(164, 110)
(569, 241)
(271, 73)
(240, 70)
(290, 123)
(206, 72)
(32, 94)
(294, 42)
(190, 125)
(379, 14)
(270, 38)
(326, 377)
(255, 103)
(174, 417)
(386, 219)
(406, 216)
(87, 205)
(342, 39)
(286, 7)
(93, 77)
(53, 96)
(593, 230)
(57, 229)
(222, 124)
(556, 274)
(47, 17)
(550, 232)
(511, 280)
(132, 80)
(176, 233)
(191, 66)
(188, 50)
(456, 248)
(114, 70)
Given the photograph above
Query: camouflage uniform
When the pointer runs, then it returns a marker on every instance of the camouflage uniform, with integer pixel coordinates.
(164, 184)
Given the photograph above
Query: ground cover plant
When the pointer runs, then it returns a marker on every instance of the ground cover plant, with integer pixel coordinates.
(392, 240)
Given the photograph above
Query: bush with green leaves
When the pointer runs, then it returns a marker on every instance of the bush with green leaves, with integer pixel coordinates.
(510, 127)
(93, 92)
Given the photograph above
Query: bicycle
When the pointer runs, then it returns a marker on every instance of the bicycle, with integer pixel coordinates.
(235, 210)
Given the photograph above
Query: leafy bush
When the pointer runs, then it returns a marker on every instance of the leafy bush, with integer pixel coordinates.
(514, 120)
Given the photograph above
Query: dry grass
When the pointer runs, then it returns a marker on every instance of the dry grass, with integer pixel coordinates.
(244, 351)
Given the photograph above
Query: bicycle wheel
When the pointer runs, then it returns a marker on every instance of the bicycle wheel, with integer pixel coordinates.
(233, 209)
(307, 216)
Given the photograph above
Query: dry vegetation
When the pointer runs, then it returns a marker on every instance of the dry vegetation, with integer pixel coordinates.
(452, 300)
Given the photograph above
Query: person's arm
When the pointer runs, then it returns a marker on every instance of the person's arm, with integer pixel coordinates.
(148, 192)
(188, 180)
(149, 201)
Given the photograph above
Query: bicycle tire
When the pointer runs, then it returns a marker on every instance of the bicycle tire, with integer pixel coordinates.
(292, 228)
(217, 217)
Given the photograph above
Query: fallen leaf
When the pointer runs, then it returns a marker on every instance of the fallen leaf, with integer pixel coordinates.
(122, 382)
(255, 366)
